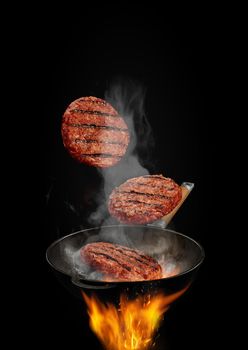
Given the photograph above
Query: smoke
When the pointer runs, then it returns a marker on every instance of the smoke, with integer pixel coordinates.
(71, 208)
(48, 194)
(127, 97)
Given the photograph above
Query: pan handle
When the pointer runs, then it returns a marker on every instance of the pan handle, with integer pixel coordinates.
(87, 285)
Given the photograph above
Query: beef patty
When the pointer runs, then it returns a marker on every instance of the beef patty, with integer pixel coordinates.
(94, 133)
(144, 199)
(119, 263)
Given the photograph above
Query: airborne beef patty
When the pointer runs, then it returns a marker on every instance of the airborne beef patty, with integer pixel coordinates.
(94, 133)
(144, 199)
(116, 262)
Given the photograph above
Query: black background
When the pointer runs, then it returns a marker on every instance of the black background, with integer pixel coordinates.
(79, 54)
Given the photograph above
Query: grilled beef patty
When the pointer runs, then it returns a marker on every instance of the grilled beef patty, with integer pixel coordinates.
(94, 133)
(144, 199)
(119, 263)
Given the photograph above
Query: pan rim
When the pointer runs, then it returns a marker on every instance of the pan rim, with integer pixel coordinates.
(96, 282)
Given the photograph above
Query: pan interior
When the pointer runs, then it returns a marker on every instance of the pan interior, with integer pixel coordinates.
(171, 249)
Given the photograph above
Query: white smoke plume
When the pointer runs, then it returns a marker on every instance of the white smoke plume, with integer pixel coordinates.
(127, 97)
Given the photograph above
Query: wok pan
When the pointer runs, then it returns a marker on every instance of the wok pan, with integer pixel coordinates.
(172, 249)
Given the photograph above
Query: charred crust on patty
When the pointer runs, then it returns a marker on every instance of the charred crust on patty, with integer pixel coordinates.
(144, 199)
(94, 133)
(120, 263)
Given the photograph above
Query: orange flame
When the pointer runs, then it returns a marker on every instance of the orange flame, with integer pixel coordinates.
(132, 325)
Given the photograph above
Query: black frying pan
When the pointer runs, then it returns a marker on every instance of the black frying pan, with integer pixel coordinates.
(176, 249)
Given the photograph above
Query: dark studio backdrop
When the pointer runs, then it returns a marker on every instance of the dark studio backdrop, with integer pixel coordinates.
(80, 57)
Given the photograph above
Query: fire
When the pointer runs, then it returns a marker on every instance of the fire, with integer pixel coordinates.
(132, 325)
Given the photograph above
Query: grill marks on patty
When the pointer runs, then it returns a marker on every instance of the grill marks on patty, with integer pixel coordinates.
(92, 131)
(144, 199)
(74, 125)
(120, 263)
(96, 134)
(95, 254)
(85, 111)
(96, 141)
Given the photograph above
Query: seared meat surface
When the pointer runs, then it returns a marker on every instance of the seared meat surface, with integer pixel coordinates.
(144, 199)
(94, 133)
(119, 263)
